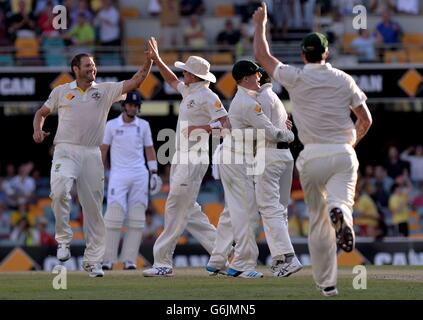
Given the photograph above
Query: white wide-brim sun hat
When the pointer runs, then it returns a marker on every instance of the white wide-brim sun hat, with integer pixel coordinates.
(197, 66)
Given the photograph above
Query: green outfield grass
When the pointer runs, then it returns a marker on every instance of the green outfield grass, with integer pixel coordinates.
(194, 283)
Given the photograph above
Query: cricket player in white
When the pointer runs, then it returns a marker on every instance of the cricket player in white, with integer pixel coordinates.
(127, 137)
(272, 190)
(322, 98)
(200, 110)
(245, 115)
(273, 186)
(82, 107)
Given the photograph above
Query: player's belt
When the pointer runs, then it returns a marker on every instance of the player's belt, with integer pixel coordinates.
(282, 145)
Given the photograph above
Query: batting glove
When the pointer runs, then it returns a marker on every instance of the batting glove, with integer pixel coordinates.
(155, 184)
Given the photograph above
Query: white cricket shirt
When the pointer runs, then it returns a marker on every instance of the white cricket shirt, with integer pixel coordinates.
(127, 142)
(322, 98)
(83, 115)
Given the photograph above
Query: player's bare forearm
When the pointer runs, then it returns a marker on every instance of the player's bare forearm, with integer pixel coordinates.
(363, 123)
(261, 46)
(166, 72)
(104, 148)
(150, 153)
(38, 123)
(138, 77)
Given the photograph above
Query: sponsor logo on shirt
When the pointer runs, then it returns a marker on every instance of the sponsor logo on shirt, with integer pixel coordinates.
(57, 167)
(70, 96)
(96, 95)
(119, 132)
(190, 104)
(257, 108)
(218, 104)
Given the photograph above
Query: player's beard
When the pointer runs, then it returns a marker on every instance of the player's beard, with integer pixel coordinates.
(131, 116)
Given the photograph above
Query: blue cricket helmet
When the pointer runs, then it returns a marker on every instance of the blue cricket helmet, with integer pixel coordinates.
(133, 97)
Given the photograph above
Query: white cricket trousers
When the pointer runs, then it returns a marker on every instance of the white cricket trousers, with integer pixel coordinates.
(328, 175)
(242, 206)
(273, 190)
(82, 165)
(183, 212)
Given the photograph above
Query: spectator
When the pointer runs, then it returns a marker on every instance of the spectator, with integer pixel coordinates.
(194, 35)
(283, 12)
(154, 8)
(190, 7)
(389, 31)
(24, 235)
(323, 7)
(4, 35)
(418, 202)
(23, 22)
(381, 177)
(404, 182)
(82, 8)
(345, 7)
(41, 5)
(367, 213)
(82, 35)
(365, 46)
(4, 218)
(20, 189)
(22, 212)
(169, 23)
(42, 184)
(107, 20)
(45, 238)
(228, 36)
(408, 6)
(394, 166)
(45, 21)
(246, 10)
(380, 6)
(416, 162)
(398, 204)
(381, 199)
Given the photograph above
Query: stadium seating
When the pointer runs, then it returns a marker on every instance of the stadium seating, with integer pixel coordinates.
(134, 51)
(222, 58)
(129, 13)
(347, 39)
(399, 56)
(224, 10)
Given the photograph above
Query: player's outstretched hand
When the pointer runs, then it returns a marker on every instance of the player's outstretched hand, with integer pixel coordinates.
(39, 136)
(153, 49)
(260, 15)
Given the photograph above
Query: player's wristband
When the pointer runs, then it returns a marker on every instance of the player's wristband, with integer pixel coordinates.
(152, 165)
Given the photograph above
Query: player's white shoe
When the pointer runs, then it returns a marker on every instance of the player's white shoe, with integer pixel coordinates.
(94, 270)
(158, 272)
(286, 268)
(129, 265)
(63, 252)
(249, 274)
(329, 291)
(107, 265)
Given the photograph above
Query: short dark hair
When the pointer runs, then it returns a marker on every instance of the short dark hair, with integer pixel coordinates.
(76, 60)
(313, 57)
